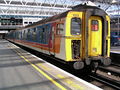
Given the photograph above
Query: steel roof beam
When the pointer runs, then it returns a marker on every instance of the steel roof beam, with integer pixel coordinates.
(45, 7)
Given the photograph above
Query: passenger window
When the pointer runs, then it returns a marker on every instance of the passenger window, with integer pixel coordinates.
(24, 35)
(43, 35)
(19, 35)
(34, 34)
(47, 35)
(75, 26)
(40, 35)
(28, 34)
(60, 28)
(94, 25)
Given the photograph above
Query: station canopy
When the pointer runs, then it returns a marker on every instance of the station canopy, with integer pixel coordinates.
(46, 8)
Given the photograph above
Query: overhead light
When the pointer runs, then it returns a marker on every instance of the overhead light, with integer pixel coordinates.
(114, 1)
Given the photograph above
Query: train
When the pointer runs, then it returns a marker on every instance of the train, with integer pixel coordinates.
(79, 37)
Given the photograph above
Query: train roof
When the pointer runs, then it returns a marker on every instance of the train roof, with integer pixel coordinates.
(62, 15)
(85, 7)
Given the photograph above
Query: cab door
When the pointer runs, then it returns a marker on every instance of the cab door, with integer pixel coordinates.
(95, 36)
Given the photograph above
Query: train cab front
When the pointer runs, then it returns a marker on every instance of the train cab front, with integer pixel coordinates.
(98, 38)
(88, 38)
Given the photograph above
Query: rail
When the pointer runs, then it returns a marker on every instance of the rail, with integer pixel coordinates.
(106, 80)
(109, 70)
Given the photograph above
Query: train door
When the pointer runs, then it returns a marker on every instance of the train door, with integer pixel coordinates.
(52, 40)
(95, 36)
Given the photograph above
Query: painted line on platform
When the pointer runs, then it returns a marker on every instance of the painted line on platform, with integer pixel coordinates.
(42, 72)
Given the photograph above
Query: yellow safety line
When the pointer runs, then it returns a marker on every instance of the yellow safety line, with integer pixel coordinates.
(43, 73)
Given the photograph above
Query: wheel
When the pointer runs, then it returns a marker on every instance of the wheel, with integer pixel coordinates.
(106, 61)
(78, 65)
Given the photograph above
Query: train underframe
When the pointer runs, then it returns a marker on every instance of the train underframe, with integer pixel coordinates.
(90, 64)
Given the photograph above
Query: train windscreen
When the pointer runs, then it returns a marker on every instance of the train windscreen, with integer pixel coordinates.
(75, 26)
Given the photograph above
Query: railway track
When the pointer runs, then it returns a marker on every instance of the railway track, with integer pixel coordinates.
(111, 70)
(110, 82)
(115, 64)
(109, 76)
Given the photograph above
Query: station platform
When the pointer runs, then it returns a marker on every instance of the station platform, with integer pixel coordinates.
(115, 55)
(115, 49)
(20, 70)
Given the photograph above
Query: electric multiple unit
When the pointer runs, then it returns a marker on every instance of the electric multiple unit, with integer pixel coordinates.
(80, 37)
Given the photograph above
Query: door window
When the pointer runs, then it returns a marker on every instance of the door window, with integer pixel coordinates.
(94, 26)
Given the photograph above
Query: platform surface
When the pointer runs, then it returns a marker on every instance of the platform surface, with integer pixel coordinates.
(115, 49)
(20, 70)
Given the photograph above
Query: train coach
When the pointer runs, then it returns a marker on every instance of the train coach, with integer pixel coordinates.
(79, 37)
